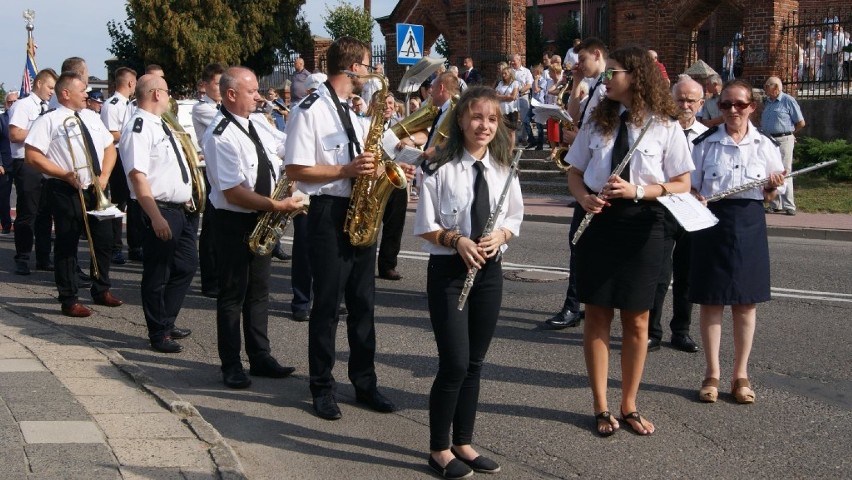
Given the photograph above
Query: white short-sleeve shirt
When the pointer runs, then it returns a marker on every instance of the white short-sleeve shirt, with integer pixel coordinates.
(203, 113)
(115, 112)
(22, 115)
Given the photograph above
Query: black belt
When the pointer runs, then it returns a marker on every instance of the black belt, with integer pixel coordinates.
(170, 205)
(777, 135)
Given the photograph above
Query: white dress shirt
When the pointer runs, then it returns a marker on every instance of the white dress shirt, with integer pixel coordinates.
(115, 112)
(22, 115)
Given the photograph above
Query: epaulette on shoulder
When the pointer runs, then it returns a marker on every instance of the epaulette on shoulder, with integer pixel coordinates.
(47, 111)
(137, 125)
(309, 100)
(770, 137)
(221, 127)
(114, 101)
(703, 136)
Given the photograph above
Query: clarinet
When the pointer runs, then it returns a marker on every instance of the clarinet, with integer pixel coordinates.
(489, 226)
(759, 183)
(620, 168)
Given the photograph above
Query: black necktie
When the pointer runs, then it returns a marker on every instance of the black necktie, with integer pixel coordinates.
(686, 132)
(264, 166)
(481, 207)
(622, 145)
(433, 130)
(90, 144)
(183, 173)
(43, 106)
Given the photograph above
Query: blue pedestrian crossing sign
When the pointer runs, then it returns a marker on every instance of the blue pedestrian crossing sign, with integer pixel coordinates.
(409, 43)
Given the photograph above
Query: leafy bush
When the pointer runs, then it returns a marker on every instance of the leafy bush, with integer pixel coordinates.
(810, 151)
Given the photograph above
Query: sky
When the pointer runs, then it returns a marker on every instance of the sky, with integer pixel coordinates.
(66, 28)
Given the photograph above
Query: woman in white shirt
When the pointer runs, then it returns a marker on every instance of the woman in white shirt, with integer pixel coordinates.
(507, 92)
(469, 173)
(621, 253)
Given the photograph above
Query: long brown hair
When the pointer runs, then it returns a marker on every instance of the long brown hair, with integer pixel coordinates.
(499, 148)
(650, 94)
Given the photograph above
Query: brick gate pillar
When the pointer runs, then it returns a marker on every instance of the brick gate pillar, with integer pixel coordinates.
(767, 52)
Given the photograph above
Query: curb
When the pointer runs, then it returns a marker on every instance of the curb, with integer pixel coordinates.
(227, 463)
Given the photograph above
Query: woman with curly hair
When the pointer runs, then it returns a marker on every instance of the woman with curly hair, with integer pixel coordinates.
(621, 253)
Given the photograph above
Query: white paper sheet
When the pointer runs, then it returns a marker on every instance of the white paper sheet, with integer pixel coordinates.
(691, 214)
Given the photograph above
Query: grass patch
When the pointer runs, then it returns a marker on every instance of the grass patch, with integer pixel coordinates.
(821, 195)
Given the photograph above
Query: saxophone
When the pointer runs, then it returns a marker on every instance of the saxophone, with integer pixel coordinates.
(558, 152)
(271, 226)
(199, 189)
(370, 193)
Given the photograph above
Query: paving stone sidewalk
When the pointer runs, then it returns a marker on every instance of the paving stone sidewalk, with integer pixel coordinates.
(72, 409)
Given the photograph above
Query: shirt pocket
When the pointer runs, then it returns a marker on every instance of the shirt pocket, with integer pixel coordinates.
(450, 204)
(755, 172)
(650, 160)
(334, 146)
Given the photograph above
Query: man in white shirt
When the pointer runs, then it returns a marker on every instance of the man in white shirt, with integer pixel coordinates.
(525, 80)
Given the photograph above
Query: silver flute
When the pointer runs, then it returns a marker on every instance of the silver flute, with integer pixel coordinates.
(489, 226)
(620, 168)
(758, 183)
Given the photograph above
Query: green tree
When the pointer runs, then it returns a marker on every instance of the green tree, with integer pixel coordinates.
(2, 94)
(185, 35)
(535, 37)
(442, 48)
(566, 32)
(346, 19)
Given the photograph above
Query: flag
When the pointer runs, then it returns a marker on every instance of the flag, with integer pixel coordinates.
(30, 68)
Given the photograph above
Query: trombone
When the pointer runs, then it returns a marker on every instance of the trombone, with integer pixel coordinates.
(101, 201)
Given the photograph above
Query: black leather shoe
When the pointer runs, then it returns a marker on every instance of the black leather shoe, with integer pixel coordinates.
(210, 293)
(565, 319)
(684, 343)
(326, 407)
(301, 316)
(269, 367)
(135, 255)
(235, 377)
(118, 258)
(178, 333)
(653, 344)
(375, 401)
(454, 470)
(281, 255)
(390, 275)
(46, 266)
(166, 345)
(479, 464)
(22, 267)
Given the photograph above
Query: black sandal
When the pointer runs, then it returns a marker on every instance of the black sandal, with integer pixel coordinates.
(606, 417)
(636, 418)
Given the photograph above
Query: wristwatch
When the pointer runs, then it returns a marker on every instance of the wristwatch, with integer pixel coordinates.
(640, 193)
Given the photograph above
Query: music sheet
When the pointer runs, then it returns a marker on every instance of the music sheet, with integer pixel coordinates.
(691, 214)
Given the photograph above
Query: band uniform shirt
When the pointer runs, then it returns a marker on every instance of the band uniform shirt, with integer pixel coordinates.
(446, 200)
(661, 155)
(22, 115)
(203, 114)
(693, 131)
(316, 136)
(115, 112)
(721, 163)
(145, 147)
(231, 158)
(49, 136)
(780, 115)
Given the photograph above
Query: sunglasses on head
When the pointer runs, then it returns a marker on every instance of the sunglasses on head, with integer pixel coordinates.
(737, 105)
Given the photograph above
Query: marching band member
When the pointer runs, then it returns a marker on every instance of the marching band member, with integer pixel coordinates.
(730, 261)
(621, 254)
(160, 181)
(243, 162)
(56, 146)
(477, 156)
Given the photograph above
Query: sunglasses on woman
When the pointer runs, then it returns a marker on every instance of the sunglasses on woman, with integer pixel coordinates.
(609, 72)
(738, 105)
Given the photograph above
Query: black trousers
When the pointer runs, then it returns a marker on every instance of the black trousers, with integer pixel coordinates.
(393, 223)
(64, 203)
(119, 195)
(572, 302)
(5, 199)
(300, 274)
(677, 249)
(207, 247)
(340, 271)
(32, 217)
(167, 270)
(463, 338)
(243, 289)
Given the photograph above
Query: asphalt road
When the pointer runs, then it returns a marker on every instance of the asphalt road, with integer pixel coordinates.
(535, 407)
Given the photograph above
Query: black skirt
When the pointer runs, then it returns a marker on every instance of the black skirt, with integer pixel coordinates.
(620, 255)
(730, 260)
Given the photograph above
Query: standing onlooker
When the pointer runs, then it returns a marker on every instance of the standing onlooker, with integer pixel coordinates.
(835, 40)
(813, 60)
(470, 75)
(455, 71)
(6, 167)
(621, 253)
(661, 67)
(572, 56)
(781, 119)
(525, 81)
(31, 219)
(710, 115)
(298, 90)
(730, 260)
(507, 92)
(372, 85)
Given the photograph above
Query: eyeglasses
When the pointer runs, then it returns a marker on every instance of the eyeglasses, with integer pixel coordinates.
(737, 105)
(687, 101)
(168, 92)
(369, 68)
(609, 72)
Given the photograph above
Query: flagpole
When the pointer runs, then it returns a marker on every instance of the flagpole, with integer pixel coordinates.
(30, 68)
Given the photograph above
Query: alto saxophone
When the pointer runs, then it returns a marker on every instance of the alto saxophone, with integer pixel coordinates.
(370, 193)
(271, 226)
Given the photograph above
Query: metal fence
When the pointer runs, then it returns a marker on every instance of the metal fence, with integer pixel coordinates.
(819, 45)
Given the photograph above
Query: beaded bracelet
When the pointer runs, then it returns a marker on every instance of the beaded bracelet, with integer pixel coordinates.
(442, 238)
(454, 242)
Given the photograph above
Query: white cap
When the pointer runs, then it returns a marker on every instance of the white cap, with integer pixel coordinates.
(315, 80)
